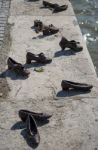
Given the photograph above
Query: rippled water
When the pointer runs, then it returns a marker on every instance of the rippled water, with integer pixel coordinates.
(87, 14)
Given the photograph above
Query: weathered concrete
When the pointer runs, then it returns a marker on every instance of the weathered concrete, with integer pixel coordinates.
(4, 12)
(74, 125)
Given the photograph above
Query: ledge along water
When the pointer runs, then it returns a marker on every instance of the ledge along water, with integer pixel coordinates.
(74, 124)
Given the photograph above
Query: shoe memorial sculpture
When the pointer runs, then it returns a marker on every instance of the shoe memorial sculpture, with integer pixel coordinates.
(37, 116)
(73, 45)
(39, 58)
(67, 85)
(32, 130)
(46, 29)
(38, 26)
(17, 67)
(55, 7)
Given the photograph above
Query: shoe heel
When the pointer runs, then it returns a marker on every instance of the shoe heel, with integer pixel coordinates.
(28, 61)
(9, 67)
(65, 89)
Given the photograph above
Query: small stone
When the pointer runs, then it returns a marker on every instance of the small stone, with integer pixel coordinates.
(39, 69)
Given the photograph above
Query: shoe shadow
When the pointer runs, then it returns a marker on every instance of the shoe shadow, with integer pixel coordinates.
(70, 93)
(38, 37)
(10, 74)
(43, 7)
(28, 140)
(34, 64)
(43, 36)
(66, 53)
(18, 125)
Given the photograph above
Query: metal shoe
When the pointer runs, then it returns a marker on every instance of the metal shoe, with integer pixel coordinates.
(75, 46)
(49, 5)
(17, 67)
(67, 85)
(32, 131)
(46, 29)
(39, 58)
(38, 26)
(60, 8)
(56, 7)
(37, 116)
(49, 30)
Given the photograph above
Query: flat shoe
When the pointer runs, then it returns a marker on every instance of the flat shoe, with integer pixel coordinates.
(32, 131)
(37, 116)
(49, 5)
(67, 85)
(38, 26)
(60, 8)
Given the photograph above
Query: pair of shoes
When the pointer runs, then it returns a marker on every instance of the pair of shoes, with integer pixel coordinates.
(47, 30)
(23, 114)
(19, 68)
(56, 8)
(67, 85)
(30, 118)
(75, 46)
(39, 58)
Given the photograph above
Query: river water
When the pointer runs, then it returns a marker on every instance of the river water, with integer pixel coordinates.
(87, 15)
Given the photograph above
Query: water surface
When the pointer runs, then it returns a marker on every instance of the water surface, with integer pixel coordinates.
(87, 15)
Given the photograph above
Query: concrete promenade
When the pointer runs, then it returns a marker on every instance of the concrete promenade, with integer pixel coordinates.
(74, 125)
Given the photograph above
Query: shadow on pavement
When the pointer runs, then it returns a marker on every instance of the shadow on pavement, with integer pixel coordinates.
(21, 125)
(64, 53)
(18, 125)
(70, 93)
(34, 64)
(10, 74)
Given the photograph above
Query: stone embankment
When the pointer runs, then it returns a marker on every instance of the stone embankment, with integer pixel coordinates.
(74, 125)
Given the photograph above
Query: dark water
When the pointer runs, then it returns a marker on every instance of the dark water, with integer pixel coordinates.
(87, 15)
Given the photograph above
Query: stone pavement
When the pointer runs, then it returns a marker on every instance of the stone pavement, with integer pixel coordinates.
(4, 12)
